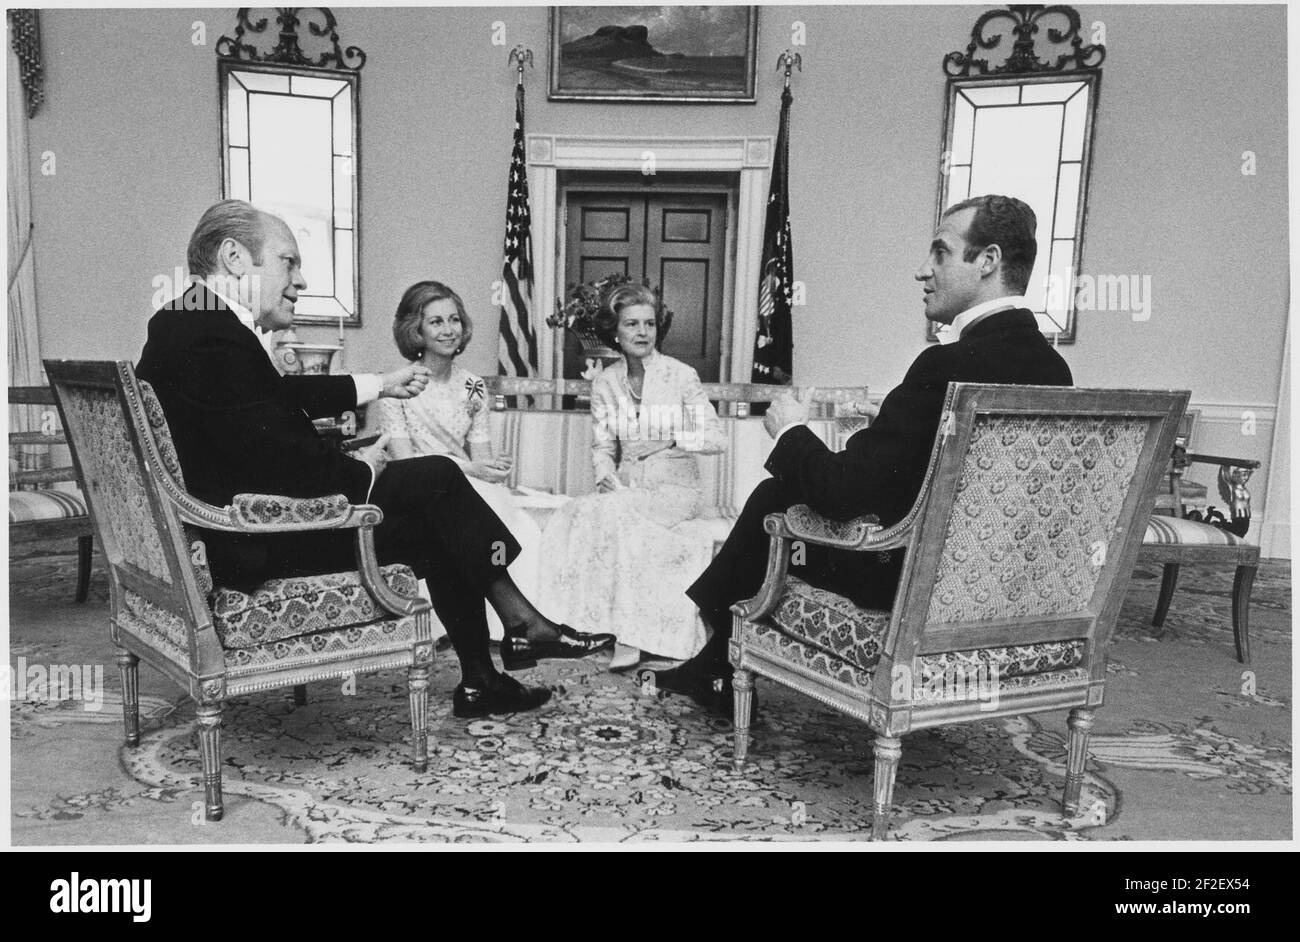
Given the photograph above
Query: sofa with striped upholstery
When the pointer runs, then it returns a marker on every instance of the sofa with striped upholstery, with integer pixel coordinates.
(552, 447)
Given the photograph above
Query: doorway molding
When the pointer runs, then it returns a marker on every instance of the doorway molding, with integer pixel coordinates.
(749, 157)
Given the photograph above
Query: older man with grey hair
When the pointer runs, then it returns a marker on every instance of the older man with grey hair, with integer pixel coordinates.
(241, 427)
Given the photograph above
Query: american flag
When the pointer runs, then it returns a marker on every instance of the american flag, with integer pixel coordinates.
(517, 347)
(774, 345)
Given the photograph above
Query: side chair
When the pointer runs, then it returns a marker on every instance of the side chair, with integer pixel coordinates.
(1017, 554)
(1175, 537)
(216, 642)
(38, 511)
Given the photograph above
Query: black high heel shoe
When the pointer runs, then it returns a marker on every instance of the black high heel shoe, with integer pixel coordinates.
(518, 653)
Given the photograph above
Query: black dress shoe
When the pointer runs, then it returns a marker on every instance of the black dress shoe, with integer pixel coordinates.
(694, 678)
(711, 691)
(503, 695)
(517, 652)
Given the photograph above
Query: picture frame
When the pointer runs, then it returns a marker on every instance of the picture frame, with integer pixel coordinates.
(676, 54)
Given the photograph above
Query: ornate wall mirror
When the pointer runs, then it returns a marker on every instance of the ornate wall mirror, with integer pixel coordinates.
(290, 145)
(1024, 128)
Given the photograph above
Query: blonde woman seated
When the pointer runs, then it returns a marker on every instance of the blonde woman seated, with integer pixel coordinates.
(618, 559)
(450, 417)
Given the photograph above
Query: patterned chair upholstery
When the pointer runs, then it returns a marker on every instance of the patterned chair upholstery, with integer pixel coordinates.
(1017, 555)
(214, 641)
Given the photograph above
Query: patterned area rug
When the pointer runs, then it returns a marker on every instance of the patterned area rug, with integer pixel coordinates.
(1188, 745)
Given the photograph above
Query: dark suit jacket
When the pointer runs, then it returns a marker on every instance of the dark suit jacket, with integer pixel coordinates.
(238, 425)
(882, 467)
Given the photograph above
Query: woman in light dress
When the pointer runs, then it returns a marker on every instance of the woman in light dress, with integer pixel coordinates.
(450, 417)
(618, 560)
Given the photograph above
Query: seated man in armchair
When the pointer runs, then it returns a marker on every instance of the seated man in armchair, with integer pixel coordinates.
(973, 282)
(241, 427)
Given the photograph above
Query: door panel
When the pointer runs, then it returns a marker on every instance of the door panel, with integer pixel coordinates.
(595, 267)
(686, 255)
(677, 239)
(686, 225)
(605, 236)
(686, 290)
(605, 224)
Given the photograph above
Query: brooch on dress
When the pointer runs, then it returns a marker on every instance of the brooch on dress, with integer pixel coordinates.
(475, 392)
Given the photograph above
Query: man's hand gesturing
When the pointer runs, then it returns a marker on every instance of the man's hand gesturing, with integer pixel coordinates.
(405, 383)
(375, 455)
(784, 411)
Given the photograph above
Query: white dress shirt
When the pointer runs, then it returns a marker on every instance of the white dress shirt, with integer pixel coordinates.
(951, 333)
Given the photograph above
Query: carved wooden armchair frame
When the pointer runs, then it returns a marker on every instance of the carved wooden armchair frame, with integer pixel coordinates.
(918, 632)
(160, 586)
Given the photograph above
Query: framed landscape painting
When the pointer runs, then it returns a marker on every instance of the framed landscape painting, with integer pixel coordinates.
(664, 53)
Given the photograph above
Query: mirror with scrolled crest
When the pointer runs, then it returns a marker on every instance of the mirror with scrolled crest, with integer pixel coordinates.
(290, 145)
(1024, 128)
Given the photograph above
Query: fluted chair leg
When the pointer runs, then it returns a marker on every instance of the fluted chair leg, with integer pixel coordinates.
(1242, 583)
(85, 552)
(418, 682)
(1080, 723)
(209, 715)
(742, 685)
(128, 667)
(1168, 582)
(888, 750)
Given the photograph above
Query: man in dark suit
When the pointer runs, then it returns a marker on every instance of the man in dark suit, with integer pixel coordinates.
(973, 279)
(241, 427)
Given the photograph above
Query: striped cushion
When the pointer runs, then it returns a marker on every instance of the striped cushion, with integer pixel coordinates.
(552, 453)
(1164, 531)
(28, 506)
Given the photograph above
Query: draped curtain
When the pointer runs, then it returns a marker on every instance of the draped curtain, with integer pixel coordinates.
(24, 343)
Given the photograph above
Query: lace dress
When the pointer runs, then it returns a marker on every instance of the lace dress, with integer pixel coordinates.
(445, 419)
(619, 561)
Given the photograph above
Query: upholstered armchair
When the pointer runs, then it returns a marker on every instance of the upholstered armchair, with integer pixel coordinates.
(217, 642)
(1017, 554)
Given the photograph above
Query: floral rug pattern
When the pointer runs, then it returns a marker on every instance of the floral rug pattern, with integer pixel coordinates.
(605, 762)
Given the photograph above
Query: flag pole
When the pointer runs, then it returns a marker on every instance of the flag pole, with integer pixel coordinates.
(517, 330)
(773, 341)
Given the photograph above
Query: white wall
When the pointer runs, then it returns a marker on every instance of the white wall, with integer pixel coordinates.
(135, 136)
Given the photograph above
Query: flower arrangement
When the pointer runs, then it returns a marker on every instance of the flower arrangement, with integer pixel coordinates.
(585, 301)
